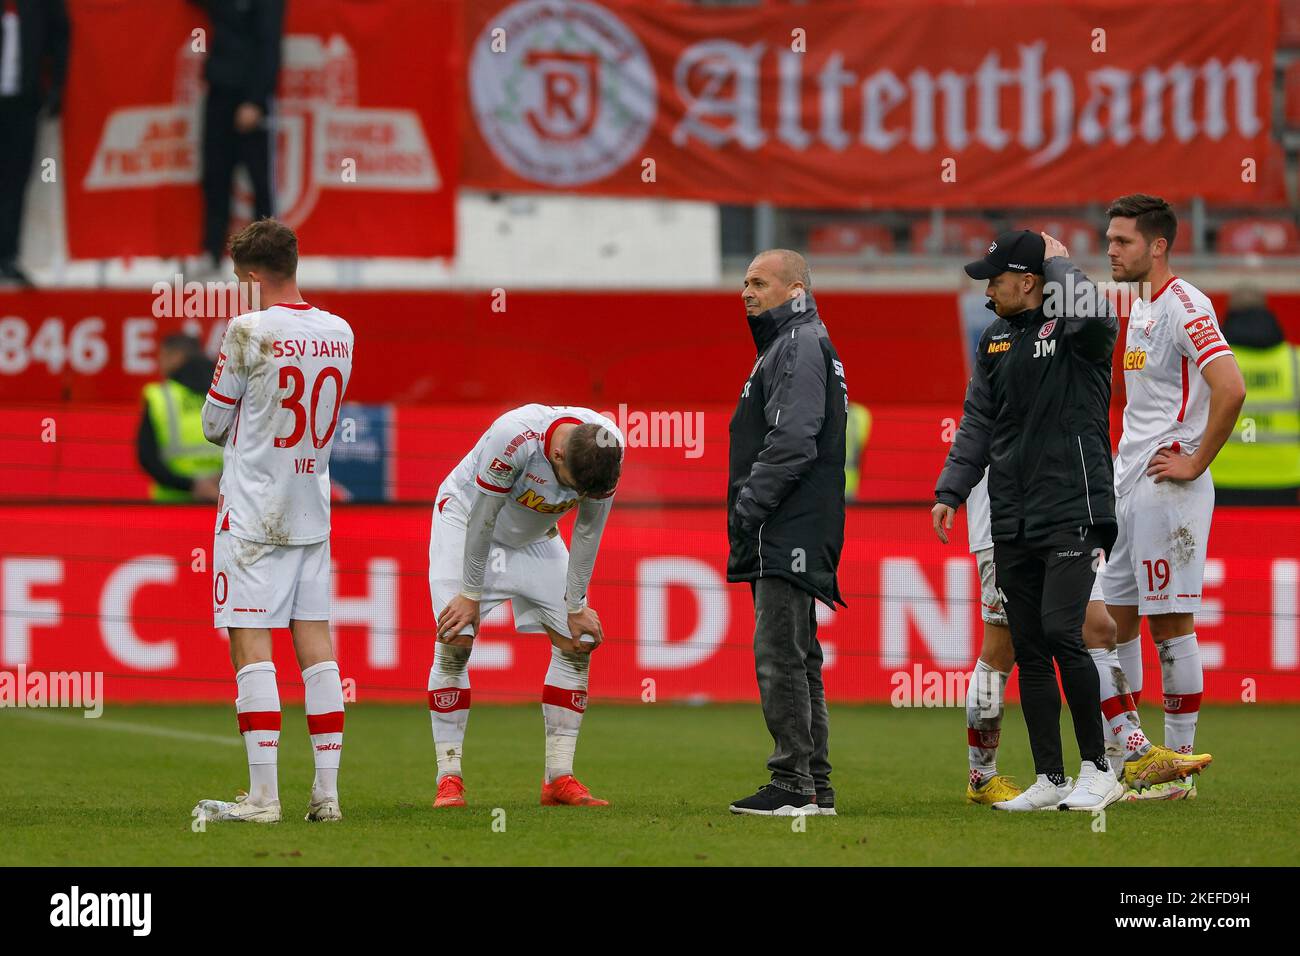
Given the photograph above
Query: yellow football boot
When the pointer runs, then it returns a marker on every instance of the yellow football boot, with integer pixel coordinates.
(1161, 765)
(993, 790)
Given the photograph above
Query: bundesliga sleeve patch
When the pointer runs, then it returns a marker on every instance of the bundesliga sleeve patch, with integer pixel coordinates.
(221, 364)
(499, 469)
(1203, 333)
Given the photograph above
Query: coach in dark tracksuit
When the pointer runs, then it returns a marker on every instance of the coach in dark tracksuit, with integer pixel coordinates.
(785, 504)
(1037, 413)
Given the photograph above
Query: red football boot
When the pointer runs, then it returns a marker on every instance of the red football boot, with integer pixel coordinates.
(451, 792)
(567, 792)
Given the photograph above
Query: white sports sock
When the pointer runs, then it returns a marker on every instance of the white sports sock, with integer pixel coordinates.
(258, 707)
(1118, 711)
(449, 705)
(985, 694)
(564, 701)
(325, 725)
(1130, 659)
(1184, 681)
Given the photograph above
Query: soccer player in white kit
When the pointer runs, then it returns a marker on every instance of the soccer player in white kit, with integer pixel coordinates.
(274, 404)
(1184, 394)
(495, 538)
(987, 685)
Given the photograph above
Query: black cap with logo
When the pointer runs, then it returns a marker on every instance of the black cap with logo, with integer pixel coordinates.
(1016, 251)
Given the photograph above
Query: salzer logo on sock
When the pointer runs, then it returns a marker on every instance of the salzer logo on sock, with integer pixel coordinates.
(76, 909)
(333, 746)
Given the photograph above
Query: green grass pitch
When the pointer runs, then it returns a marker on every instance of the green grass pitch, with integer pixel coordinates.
(118, 791)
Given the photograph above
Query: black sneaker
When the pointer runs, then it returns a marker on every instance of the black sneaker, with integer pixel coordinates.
(774, 801)
(826, 803)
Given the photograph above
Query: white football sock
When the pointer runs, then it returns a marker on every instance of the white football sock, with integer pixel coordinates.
(1118, 711)
(985, 694)
(1130, 659)
(449, 705)
(1184, 681)
(564, 701)
(325, 725)
(258, 707)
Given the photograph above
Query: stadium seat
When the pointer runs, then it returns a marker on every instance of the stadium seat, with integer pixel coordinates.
(849, 239)
(1291, 95)
(1288, 34)
(1259, 236)
(1078, 235)
(962, 235)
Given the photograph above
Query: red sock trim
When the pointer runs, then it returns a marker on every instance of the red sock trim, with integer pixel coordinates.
(259, 720)
(1182, 703)
(564, 697)
(1137, 697)
(983, 739)
(331, 723)
(1112, 707)
(444, 700)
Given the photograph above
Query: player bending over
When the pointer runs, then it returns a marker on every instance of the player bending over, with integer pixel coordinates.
(495, 538)
(274, 404)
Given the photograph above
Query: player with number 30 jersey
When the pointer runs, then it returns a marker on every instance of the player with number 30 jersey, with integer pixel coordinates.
(274, 404)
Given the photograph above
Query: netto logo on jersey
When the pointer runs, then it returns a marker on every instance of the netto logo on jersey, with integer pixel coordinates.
(1135, 359)
(531, 499)
(996, 347)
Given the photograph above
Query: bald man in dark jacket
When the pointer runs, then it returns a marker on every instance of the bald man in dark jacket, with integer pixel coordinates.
(786, 522)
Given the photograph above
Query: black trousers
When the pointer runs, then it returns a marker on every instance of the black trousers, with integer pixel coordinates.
(788, 663)
(1045, 583)
(223, 149)
(18, 134)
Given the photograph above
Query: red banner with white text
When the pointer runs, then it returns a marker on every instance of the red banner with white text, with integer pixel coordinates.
(127, 592)
(364, 142)
(875, 102)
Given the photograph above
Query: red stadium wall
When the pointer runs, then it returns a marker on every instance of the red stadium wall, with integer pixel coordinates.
(126, 590)
(447, 364)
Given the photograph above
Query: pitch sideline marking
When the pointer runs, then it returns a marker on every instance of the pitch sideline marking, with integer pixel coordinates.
(130, 728)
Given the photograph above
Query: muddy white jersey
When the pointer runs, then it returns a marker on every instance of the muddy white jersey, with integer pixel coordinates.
(979, 521)
(512, 460)
(283, 371)
(1170, 340)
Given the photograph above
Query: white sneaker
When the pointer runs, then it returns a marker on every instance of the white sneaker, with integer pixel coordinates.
(1096, 789)
(323, 810)
(240, 810)
(1043, 795)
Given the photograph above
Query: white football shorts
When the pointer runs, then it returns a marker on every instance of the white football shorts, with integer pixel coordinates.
(1158, 561)
(268, 585)
(531, 578)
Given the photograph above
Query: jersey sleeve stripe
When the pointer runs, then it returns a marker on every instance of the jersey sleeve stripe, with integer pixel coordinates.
(1186, 391)
(213, 393)
(1217, 350)
(493, 488)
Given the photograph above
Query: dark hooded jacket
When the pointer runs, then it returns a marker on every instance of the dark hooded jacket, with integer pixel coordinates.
(1037, 413)
(785, 497)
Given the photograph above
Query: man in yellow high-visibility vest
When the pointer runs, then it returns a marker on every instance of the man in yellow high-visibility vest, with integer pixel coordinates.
(170, 444)
(1260, 464)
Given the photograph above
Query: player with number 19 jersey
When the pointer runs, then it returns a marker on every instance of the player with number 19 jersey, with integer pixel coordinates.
(275, 395)
(1158, 560)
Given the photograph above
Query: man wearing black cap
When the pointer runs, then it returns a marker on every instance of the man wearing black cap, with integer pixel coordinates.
(1037, 414)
